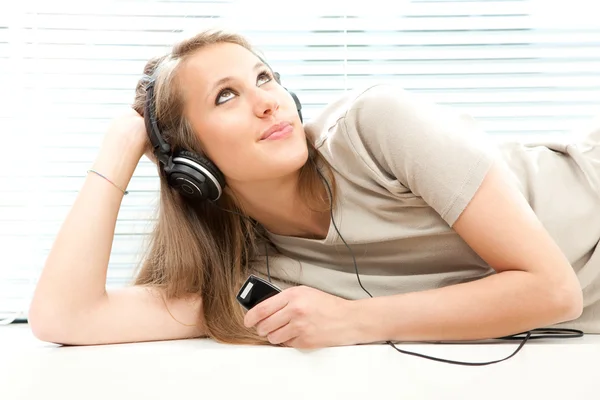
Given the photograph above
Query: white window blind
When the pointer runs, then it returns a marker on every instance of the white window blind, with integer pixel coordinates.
(522, 67)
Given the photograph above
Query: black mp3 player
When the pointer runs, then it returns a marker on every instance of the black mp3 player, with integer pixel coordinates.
(255, 290)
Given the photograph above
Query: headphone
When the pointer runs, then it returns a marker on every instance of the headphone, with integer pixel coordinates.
(192, 175)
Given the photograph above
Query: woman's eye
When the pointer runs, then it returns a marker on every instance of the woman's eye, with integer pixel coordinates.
(264, 76)
(227, 94)
(224, 96)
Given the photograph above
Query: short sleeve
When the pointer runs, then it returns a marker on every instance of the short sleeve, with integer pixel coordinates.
(431, 150)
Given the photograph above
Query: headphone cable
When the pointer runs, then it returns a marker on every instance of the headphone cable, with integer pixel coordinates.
(538, 333)
(547, 332)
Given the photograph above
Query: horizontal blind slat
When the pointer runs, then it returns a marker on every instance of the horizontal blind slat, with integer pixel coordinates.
(330, 7)
(66, 68)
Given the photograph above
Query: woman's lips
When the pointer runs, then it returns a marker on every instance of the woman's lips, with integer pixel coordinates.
(277, 131)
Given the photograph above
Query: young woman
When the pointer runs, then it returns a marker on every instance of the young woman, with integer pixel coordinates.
(454, 237)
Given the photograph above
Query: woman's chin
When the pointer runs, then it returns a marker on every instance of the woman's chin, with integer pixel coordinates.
(291, 164)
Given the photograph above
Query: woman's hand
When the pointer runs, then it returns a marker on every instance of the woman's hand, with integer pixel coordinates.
(128, 131)
(304, 317)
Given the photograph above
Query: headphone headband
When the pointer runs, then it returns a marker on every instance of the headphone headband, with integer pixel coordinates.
(162, 149)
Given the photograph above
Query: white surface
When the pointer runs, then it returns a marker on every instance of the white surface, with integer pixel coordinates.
(203, 369)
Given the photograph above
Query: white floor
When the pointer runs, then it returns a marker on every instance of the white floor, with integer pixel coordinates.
(202, 369)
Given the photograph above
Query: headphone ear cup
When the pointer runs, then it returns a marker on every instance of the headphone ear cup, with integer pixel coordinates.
(195, 177)
(278, 80)
(298, 104)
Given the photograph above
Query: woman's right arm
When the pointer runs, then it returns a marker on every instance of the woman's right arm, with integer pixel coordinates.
(71, 304)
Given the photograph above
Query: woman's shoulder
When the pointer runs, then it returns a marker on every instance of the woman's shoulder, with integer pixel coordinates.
(364, 108)
(406, 142)
(328, 117)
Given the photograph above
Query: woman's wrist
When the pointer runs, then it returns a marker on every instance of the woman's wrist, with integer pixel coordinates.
(369, 322)
(118, 161)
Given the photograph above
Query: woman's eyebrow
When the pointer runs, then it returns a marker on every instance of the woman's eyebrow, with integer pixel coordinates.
(226, 79)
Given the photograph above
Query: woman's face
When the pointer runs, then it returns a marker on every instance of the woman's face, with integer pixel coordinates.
(232, 102)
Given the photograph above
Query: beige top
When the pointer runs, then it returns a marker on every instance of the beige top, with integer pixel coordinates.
(405, 169)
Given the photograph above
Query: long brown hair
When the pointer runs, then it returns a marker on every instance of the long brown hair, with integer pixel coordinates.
(196, 248)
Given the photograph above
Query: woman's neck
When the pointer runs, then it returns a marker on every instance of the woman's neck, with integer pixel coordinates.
(279, 207)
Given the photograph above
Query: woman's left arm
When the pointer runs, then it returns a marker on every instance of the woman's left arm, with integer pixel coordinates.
(535, 285)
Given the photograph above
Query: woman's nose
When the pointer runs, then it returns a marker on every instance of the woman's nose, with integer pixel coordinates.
(265, 103)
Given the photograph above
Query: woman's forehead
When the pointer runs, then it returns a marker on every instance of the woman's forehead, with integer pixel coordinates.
(215, 62)
(202, 72)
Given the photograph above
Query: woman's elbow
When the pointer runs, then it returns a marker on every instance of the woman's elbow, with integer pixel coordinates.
(569, 302)
(43, 329)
